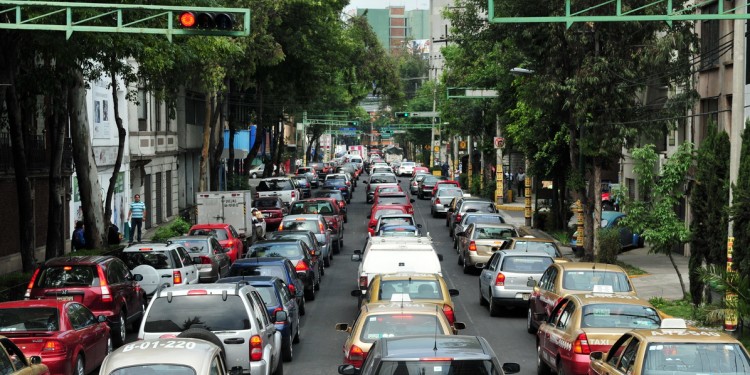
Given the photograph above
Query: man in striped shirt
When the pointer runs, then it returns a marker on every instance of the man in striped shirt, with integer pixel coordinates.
(136, 214)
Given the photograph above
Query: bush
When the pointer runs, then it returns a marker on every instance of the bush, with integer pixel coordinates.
(489, 190)
(609, 245)
(177, 227)
(238, 182)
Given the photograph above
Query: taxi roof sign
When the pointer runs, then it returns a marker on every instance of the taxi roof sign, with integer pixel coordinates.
(673, 323)
(400, 297)
(603, 289)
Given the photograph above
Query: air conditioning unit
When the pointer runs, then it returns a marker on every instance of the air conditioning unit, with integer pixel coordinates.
(661, 163)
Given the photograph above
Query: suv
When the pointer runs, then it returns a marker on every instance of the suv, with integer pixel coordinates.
(104, 284)
(431, 354)
(160, 263)
(233, 312)
(282, 187)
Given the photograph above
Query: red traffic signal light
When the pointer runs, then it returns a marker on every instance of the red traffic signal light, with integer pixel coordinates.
(207, 21)
(187, 19)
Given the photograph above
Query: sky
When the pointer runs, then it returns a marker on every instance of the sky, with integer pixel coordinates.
(382, 4)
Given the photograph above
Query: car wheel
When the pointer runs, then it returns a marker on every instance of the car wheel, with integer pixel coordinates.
(310, 294)
(317, 285)
(346, 219)
(322, 270)
(560, 369)
(298, 334)
(254, 175)
(80, 368)
(287, 352)
(302, 307)
(455, 245)
(529, 321)
(466, 269)
(460, 260)
(204, 334)
(327, 261)
(120, 332)
(109, 345)
(494, 308)
(542, 368)
(279, 369)
(341, 243)
(432, 213)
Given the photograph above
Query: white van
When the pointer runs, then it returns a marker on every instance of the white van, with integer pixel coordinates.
(356, 159)
(395, 255)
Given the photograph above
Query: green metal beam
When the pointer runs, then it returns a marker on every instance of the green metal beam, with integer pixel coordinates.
(114, 18)
(620, 13)
(408, 126)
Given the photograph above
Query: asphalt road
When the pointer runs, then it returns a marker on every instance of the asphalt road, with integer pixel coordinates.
(320, 350)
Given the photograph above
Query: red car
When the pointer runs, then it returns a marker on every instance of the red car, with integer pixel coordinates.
(273, 210)
(383, 199)
(102, 283)
(418, 170)
(380, 210)
(444, 183)
(227, 236)
(386, 189)
(68, 337)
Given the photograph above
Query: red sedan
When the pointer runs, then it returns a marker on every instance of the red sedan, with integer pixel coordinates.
(273, 210)
(395, 198)
(227, 236)
(380, 210)
(68, 337)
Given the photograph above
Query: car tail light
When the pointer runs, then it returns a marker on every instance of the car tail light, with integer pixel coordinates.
(53, 347)
(458, 218)
(341, 204)
(448, 310)
(197, 292)
(472, 246)
(500, 280)
(176, 277)
(292, 289)
(436, 359)
(106, 297)
(363, 282)
(321, 227)
(302, 266)
(205, 259)
(356, 356)
(437, 200)
(274, 314)
(281, 226)
(348, 183)
(27, 295)
(581, 345)
(294, 194)
(256, 348)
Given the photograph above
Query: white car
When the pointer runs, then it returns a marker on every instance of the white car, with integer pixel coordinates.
(160, 264)
(406, 168)
(257, 171)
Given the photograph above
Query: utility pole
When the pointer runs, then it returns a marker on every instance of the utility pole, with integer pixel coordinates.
(499, 177)
(432, 130)
(469, 150)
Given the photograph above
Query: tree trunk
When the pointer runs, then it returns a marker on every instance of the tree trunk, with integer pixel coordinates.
(83, 155)
(280, 144)
(588, 222)
(679, 275)
(230, 163)
(120, 149)
(217, 144)
(597, 205)
(203, 173)
(258, 131)
(56, 125)
(8, 68)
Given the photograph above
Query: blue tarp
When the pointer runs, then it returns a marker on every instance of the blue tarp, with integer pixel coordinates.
(243, 139)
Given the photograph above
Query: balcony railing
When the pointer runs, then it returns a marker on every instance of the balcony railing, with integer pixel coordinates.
(36, 154)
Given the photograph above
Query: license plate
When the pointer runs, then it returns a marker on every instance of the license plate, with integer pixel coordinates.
(66, 298)
(526, 296)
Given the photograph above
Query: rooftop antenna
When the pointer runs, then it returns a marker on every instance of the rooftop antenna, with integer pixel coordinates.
(434, 345)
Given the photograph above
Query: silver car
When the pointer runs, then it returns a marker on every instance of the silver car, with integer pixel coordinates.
(414, 182)
(212, 260)
(477, 217)
(479, 241)
(442, 199)
(504, 280)
(314, 223)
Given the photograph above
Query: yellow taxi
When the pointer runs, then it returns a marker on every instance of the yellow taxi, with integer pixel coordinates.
(584, 323)
(421, 287)
(672, 349)
(561, 279)
(392, 319)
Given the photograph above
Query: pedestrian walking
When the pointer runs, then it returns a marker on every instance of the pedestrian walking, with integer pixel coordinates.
(521, 182)
(445, 168)
(136, 215)
(78, 238)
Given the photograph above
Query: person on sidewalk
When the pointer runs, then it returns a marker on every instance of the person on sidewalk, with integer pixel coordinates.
(136, 215)
(521, 182)
(78, 239)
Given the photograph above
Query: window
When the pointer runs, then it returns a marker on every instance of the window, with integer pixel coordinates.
(28, 319)
(157, 116)
(628, 356)
(710, 49)
(565, 315)
(80, 317)
(709, 113)
(142, 109)
(206, 311)
(616, 351)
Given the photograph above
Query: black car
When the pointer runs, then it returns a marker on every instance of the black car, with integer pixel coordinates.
(272, 266)
(304, 185)
(299, 253)
(304, 235)
(425, 187)
(340, 185)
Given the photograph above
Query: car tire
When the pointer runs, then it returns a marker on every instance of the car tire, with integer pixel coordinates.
(287, 352)
(541, 367)
(120, 330)
(279, 369)
(310, 294)
(204, 334)
(433, 214)
(298, 334)
(136, 326)
(530, 322)
(322, 270)
(494, 308)
(327, 261)
(466, 268)
(460, 260)
(560, 369)
(346, 218)
(302, 307)
(80, 366)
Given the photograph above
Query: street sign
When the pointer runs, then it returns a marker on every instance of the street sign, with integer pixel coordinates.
(436, 148)
(399, 131)
(424, 114)
(351, 130)
(499, 142)
(462, 146)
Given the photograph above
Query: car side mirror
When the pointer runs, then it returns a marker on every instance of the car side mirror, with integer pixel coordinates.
(440, 257)
(312, 252)
(412, 200)
(348, 370)
(342, 327)
(531, 283)
(511, 368)
(596, 356)
(356, 258)
(453, 292)
(102, 318)
(358, 252)
(459, 325)
(280, 316)
(138, 277)
(35, 360)
(196, 260)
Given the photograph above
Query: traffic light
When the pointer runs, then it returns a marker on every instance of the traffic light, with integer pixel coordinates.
(352, 123)
(402, 114)
(206, 21)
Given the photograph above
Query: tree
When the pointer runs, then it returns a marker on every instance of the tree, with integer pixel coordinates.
(740, 209)
(709, 202)
(654, 215)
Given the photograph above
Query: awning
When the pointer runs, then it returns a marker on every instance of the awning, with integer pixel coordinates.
(238, 154)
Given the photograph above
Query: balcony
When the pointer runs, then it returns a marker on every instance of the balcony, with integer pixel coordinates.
(36, 155)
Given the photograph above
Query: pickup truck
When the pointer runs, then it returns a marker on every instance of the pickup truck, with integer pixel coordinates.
(282, 187)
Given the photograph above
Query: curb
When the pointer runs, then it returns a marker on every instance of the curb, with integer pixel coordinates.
(510, 208)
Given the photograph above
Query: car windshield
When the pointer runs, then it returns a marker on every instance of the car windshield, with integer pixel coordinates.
(450, 193)
(619, 315)
(265, 203)
(694, 358)
(214, 312)
(438, 367)
(311, 225)
(320, 207)
(388, 189)
(586, 279)
(291, 236)
(285, 250)
(220, 234)
(416, 289)
(157, 259)
(268, 293)
(29, 319)
(241, 269)
(547, 247)
(275, 185)
(480, 206)
(302, 182)
(386, 212)
(407, 164)
(489, 219)
(420, 177)
(397, 231)
(493, 233)
(397, 325)
(64, 276)
(393, 199)
(525, 264)
(194, 246)
(154, 369)
(383, 179)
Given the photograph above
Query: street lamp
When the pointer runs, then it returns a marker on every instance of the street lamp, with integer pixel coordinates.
(527, 182)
